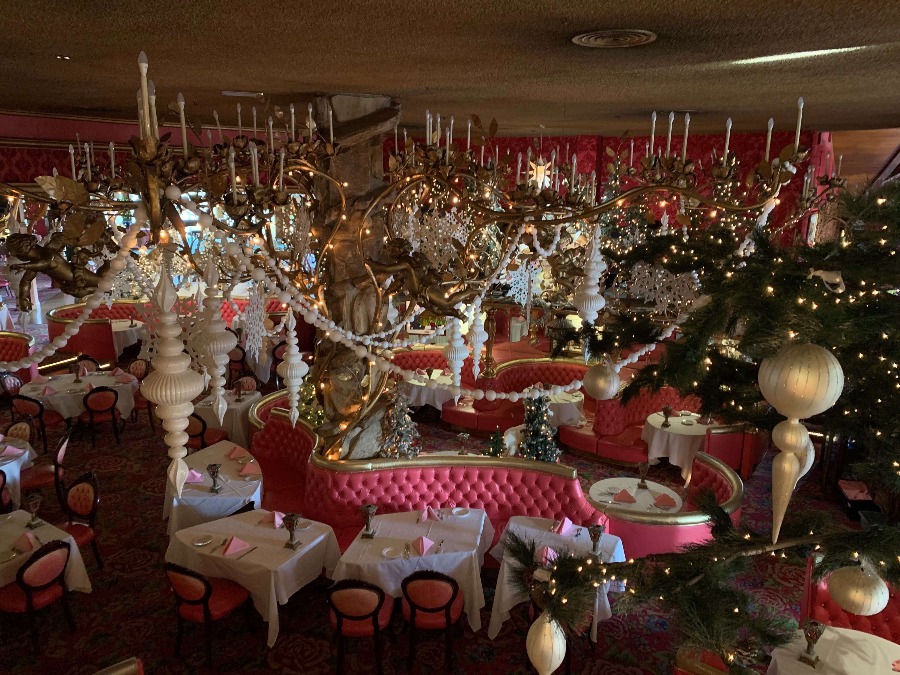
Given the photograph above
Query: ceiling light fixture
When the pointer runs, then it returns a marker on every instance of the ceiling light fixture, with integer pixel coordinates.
(63, 57)
(243, 94)
(614, 38)
(792, 56)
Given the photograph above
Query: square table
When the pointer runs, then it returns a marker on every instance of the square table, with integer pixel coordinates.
(11, 528)
(466, 538)
(68, 400)
(13, 466)
(237, 415)
(197, 504)
(841, 651)
(272, 573)
(539, 531)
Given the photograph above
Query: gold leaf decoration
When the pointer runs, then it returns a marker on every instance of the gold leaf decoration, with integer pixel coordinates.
(63, 189)
(93, 230)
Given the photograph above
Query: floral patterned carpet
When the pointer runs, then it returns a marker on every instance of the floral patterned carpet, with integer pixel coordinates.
(131, 610)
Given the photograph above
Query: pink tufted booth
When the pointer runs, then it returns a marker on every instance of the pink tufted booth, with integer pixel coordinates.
(740, 446)
(615, 434)
(489, 416)
(413, 359)
(283, 451)
(644, 534)
(13, 346)
(818, 605)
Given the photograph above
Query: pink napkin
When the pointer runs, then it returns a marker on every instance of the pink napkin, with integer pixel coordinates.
(11, 451)
(194, 476)
(237, 452)
(88, 387)
(26, 542)
(421, 371)
(564, 527)
(250, 469)
(422, 544)
(664, 501)
(854, 489)
(895, 666)
(235, 546)
(429, 514)
(446, 371)
(118, 371)
(48, 391)
(275, 517)
(624, 497)
(545, 555)
(40, 379)
(125, 378)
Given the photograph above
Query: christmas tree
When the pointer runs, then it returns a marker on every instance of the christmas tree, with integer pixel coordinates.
(398, 431)
(496, 448)
(537, 440)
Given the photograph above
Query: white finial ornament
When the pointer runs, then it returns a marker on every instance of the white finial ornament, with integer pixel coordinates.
(455, 352)
(218, 341)
(588, 298)
(293, 368)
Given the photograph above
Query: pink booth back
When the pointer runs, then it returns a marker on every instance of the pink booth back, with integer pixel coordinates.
(420, 358)
(14, 346)
(519, 375)
(282, 451)
(612, 417)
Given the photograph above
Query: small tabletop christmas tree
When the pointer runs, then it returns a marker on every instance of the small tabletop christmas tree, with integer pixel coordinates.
(399, 435)
(497, 448)
(537, 439)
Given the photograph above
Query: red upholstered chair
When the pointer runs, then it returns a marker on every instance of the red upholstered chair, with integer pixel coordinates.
(40, 582)
(11, 385)
(277, 357)
(99, 407)
(23, 431)
(431, 601)
(33, 410)
(41, 476)
(14, 346)
(87, 364)
(6, 503)
(740, 446)
(359, 609)
(818, 606)
(200, 435)
(4, 283)
(248, 383)
(236, 362)
(199, 599)
(80, 504)
(140, 368)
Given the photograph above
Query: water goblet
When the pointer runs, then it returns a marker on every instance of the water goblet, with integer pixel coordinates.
(74, 370)
(667, 412)
(595, 532)
(368, 511)
(290, 524)
(213, 471)
(643, 469)
(33, 503)
(812, 631)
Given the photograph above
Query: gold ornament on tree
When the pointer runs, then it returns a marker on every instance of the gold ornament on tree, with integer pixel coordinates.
(601, 381)
(545, 644)
(858, 590)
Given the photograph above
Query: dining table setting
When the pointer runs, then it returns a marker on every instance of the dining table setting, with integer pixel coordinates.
(16, 455)
(677, 435)
(272, 555)
(65, 393)
(430, 386)
(236, 420)
(452, 540)
(636, 494)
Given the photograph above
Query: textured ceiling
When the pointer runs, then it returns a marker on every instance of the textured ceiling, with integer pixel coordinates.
(511, 60)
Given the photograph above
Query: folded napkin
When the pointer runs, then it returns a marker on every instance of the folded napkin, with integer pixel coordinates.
(125, 378)
(854, 489)
(446, 371)
(421, 371)
(88, 387)
(48, 391)
(40, 379)
(664, 501)
(564, 527)
(235, 545)
(237, 452)
(11, 451)
(624, 497)
(274, 517)
(118, 371)
(429, 514)
(194, 476)
(25, 543)
(250, 469)
(422, 544)
(545, 555)
(895, 666)
(83, 371)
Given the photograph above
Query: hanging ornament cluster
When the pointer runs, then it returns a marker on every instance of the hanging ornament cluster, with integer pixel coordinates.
(255, 321)
(455, 352)
(670, 294)
(218, 341)
(601, 381)
(292, 369)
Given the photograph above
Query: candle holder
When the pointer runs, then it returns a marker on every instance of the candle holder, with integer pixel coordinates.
(812, 631)
(667, 412)
(368, 511)
(74, 370)
(463, 438)
(33, 503)
(596, 531)
(429, 372)
(238, 388)
(642, 470)
(290, 524)
(213, 471)
(131, 323)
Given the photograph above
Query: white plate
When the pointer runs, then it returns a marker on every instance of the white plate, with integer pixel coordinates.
(202, 540)
(688, 423)
(686, 413)
(6, 556)
(459, 511)
(391, 552)
(303, 525)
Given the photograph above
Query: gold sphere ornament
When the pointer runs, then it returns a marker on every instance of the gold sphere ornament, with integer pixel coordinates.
(601, 382)
(545, 644)
(801, 380)
(858, 590)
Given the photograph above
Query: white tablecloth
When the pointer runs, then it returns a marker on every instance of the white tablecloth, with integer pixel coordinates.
(424, 392)
(272, 573)
(518, 328)
(69, 397)
(679, 442)
(12, 527)
(237, 416)
(13, 466)
(604, 490)
(538, 530)
(466, 539)
(125, 334)
(197, 504)
(841, 652)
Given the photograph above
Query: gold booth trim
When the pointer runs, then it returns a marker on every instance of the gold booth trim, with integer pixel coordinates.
(29, 339)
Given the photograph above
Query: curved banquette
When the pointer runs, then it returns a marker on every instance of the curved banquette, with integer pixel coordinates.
(13, 346)
(644, 534)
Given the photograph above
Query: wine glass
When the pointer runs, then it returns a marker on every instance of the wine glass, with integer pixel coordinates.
(368, 511)
(812, 631)
(213, 471)
(33, 503)
(643, 468)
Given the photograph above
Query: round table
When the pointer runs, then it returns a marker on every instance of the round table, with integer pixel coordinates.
(841, 651)
(566, 408)
(603, 491)
(680, 441)
(68, 399)
(423, 390)
(125, 333)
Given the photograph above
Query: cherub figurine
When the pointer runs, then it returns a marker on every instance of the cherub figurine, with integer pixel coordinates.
(74, 279)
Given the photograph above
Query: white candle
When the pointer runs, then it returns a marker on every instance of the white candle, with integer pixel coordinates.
(469, 137)
(396, 145)
(552, 173)
(769, 137)
(528, 166)
(482, 155)
(183, 124)
(438, 127)
(331, 124)
(143, 65)
(271, 136)
(687, 127)
(567, 153)
(631, 156)
(652, 132)
(840, 161)
(309, 121)
(447, 152)
(404, 139)
(93, 160)
(451, 131)
(254, 163)
(293, 124)
(519, 169)
(218, 126)
(669, 137)
(827, 162)
(154, 121)
(727, 141)
(254, 121)
(574, 168)
(209, 138)
(281, 169)
(799, 120)
(72, 161)
(112, 159)
(496, 158)
(240, 128)
(234, 189)
(87, 160)
(427, 128)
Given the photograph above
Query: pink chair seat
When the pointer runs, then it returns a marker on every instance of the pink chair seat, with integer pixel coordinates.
(105, 416)
(436, 620)
(364, 628)
(226, 596)
(38, 477)
(12, 598)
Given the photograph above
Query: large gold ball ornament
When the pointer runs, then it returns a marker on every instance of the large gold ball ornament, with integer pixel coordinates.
(801, 380)
(545, 644)
(601, 382)
(858, 591)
